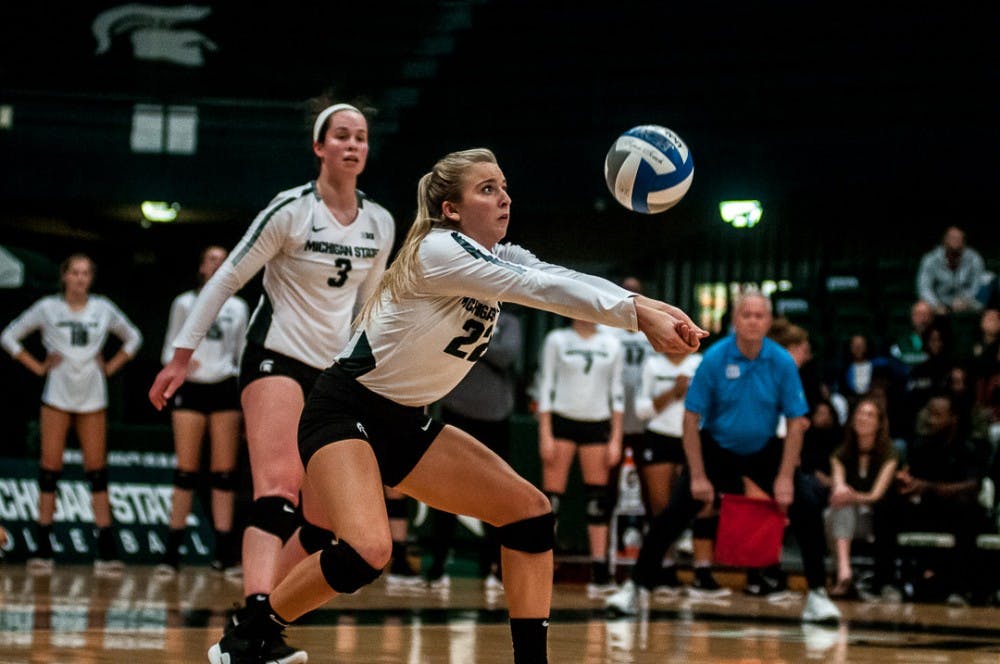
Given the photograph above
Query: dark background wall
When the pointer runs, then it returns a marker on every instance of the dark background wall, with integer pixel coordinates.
(864, 129)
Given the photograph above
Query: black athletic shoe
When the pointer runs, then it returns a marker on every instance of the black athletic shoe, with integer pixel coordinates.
(231, 649)
(704, 585)
(260, 649)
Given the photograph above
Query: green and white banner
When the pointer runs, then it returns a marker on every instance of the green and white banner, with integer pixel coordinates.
(140, 485)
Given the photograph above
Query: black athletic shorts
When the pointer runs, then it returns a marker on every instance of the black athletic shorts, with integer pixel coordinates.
(579, 432)
(657, 448)
(259, 362)
(207, 398)
(340, 408)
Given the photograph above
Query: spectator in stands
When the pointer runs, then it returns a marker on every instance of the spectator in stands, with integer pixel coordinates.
(950, 275)
(928, 376)
(985, 360)
(985, 372)
(863, 368)
(936, 490)
(908, 348)
(863, 470)
(820, 441)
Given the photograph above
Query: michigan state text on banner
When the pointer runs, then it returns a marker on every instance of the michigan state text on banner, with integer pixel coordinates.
(140, 485)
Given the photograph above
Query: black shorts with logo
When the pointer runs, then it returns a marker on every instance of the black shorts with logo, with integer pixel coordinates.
(659, 448)
(340, 408)
(259, 362)
(207, 398)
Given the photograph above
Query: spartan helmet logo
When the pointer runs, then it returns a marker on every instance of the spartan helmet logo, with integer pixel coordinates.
(154, 32)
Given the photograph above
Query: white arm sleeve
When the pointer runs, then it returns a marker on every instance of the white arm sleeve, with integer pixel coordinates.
(547, 373)
(517, 254)
(456, 266)
(262, 241)
(174, 322)
(29, 321)
(123, 328)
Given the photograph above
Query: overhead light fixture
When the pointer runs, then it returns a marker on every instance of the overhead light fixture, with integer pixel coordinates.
(741, 214)
(160, 211)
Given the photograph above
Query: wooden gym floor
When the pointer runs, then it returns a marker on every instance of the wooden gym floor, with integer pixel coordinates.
(73, 616)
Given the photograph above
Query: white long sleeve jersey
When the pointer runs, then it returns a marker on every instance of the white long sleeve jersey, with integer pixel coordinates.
(218, 355)
(77, 384)
(581, 378)
(317, 273)
(659, 375)
(416, 350)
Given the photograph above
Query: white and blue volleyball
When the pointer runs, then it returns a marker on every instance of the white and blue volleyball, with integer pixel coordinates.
(648, 169)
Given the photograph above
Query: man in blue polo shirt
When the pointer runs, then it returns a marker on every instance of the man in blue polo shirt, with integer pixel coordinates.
(743, 385)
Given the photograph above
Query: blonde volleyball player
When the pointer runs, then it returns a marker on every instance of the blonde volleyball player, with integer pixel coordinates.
(74, 327)
(364, 424)
(323, 247)
(581, 402)
(208, 401)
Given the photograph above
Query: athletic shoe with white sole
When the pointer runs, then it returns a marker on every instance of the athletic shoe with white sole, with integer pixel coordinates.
(819, 608)
(705, 586)
(629, 599)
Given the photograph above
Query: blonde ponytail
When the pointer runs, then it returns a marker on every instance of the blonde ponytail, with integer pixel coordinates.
(443, 183)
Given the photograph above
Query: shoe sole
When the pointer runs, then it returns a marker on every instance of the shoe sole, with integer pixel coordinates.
(216, 656)
(668, 591)
(695, 593)
(404, 581)
(783, 596)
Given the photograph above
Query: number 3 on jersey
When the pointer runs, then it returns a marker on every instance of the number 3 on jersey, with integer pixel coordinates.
(344, 266)
(475, 333)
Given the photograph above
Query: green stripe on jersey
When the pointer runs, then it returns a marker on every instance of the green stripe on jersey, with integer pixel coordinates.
(489, 258)
(260, 227)
(260, 323)
(361, 360)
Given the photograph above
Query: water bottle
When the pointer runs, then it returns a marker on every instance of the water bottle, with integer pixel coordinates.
(627, 517)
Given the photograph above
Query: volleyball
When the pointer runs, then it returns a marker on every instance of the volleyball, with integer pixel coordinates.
(648, 169)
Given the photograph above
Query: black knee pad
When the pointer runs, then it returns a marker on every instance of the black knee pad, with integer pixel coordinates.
(396, 508)
(555, 499)
(47, 480)
(598, 504)
(185, 479)
(223, 480)
(704, 528)
(313, 538)
(98, 479)
(274, 515)
(533, 535)
(344, 569)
